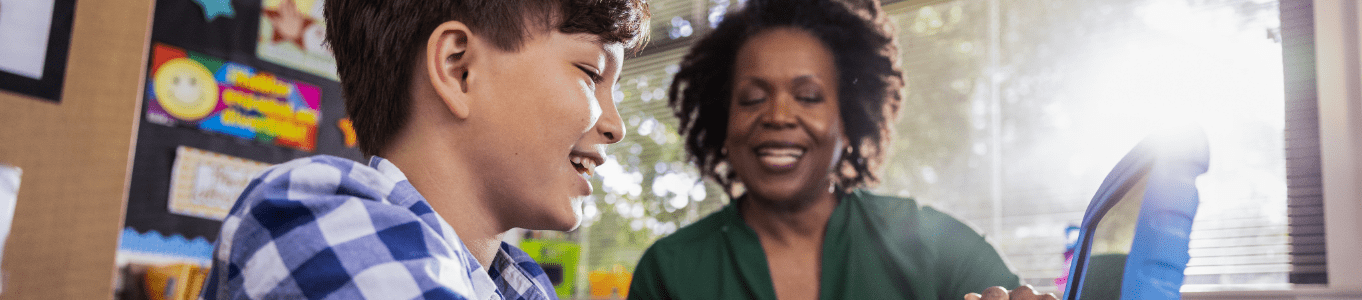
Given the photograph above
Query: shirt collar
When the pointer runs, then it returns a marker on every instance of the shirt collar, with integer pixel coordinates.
(387, 168)
(508, 258)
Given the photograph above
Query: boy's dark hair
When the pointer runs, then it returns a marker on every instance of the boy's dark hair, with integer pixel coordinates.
(870, 81)
(377, 44)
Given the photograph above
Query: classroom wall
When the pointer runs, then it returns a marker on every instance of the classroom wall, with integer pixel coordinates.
(75, 157)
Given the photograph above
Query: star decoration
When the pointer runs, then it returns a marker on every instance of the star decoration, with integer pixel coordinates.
(214, 8)
(289, 24)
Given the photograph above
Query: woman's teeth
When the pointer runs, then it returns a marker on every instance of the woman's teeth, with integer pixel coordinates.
(779, 157)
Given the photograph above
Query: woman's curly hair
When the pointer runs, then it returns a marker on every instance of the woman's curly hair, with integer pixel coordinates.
(866, 58)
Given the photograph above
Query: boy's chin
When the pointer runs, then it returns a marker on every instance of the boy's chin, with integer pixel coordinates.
(576, 221)
(575, 224)
(562, 220)
(564, 224)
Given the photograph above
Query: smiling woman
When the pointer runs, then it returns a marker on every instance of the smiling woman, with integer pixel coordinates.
(784, 127)
(788, 106)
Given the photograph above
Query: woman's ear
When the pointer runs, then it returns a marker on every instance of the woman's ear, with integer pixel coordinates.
(448, 61)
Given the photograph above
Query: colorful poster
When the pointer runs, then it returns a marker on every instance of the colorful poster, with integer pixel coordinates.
(193, 90)
(206, 184)
(293, 34)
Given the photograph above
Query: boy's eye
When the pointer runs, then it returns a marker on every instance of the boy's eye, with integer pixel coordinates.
(595, 77)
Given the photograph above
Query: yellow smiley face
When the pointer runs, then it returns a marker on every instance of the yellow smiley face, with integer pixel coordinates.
(186, 89)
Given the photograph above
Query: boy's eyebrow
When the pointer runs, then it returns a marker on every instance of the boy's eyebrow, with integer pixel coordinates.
(603, 47)
(590, 38)
(610, 61)
(594, 39)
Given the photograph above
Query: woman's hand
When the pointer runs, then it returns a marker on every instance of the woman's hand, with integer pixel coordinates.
(1023, 292)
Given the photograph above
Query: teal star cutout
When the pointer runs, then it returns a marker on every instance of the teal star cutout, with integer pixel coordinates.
(214, 8)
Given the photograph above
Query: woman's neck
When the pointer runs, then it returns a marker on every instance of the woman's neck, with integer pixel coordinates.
(792, 239)
(787, 226)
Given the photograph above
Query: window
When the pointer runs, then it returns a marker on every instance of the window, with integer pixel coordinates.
(1016, 111)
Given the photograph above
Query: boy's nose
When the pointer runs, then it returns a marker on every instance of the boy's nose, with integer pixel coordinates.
(610, 125)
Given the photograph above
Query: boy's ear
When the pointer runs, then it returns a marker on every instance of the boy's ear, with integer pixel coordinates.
(447, 64)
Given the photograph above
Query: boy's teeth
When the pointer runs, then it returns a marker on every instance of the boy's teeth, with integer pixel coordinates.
(589, 165)
(586, 166)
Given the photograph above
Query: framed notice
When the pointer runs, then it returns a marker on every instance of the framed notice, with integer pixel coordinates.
(206, 184)
(34, 40)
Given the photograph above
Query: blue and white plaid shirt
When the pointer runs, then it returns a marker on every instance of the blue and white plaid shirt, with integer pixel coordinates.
(325, 227)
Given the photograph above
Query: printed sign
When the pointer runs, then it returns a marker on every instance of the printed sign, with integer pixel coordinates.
(193, 90)
(206, 184)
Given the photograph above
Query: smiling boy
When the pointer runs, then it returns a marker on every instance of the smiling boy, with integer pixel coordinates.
(464, 105)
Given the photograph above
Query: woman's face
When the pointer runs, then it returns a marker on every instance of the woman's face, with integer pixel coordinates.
(784, 127)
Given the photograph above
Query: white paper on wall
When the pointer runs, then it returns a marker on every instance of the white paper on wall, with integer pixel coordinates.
(9, 194)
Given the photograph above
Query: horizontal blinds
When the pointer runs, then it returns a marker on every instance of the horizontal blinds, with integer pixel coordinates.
(1305, 195)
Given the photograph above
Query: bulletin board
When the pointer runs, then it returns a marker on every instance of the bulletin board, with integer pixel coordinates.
(231, 87)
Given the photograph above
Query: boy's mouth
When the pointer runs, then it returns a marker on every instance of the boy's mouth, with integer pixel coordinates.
(585, 165)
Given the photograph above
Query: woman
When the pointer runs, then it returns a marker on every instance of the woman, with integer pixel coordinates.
(788, 105)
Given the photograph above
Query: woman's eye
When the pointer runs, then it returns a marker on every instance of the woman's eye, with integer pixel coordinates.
(752, 97)
(809, 96)
(751, 100)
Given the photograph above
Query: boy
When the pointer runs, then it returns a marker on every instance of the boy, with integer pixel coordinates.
(481, 116)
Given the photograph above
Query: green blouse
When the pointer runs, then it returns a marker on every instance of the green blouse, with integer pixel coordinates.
(875, 247)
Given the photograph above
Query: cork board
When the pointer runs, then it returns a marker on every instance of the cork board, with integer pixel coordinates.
(75, 156)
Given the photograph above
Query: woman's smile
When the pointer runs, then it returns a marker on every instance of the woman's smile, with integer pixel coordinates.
(779, 157)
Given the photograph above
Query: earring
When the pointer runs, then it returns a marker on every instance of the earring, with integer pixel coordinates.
(834, 185)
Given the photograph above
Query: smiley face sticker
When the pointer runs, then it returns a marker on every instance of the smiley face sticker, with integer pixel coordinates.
(186, 89)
